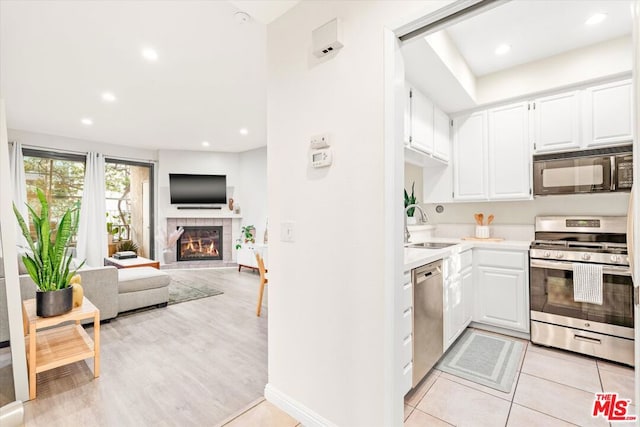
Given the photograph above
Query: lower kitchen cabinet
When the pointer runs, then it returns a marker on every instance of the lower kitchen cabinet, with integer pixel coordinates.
(458, 296)
(501, 289)
(406, 333)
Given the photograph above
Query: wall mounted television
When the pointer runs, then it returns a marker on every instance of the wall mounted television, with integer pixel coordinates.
(190, 189)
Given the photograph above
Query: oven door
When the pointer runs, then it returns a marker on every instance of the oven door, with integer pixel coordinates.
(551, 288)
(573, 175)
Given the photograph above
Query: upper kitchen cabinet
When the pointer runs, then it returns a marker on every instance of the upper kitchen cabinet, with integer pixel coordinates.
(407, 115)
(596, 116)
(608, 114)
(426, 130)
(421, 122)
(470, 156)
(509, 154)
(441, 141)
(491, 155)
(556, 122)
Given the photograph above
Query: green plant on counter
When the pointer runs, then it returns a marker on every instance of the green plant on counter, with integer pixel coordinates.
(49, 262)
(410, 200)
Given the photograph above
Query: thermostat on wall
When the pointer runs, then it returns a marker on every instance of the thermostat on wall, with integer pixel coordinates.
(321, 158)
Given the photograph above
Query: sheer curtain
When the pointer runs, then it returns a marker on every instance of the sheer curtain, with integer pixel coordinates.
(19, 186)
(92, 232)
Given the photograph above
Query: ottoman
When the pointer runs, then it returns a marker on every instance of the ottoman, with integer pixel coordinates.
(142, 287)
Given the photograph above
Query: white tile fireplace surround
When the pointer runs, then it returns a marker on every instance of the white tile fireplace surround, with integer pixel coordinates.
(230, 232)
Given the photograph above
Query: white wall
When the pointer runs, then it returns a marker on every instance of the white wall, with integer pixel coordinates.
(196, 162)
(577, 66)
(524, 212)
(54, 142)
(326, 289)
(253, 189)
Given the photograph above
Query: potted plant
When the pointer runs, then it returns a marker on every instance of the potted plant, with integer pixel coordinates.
(49, 262)
(249, 232)
(410, 200)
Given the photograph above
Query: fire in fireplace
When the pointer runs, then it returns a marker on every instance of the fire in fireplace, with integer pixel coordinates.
(200, 243)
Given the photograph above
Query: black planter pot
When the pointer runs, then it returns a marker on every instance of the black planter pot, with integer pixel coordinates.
(54, 303)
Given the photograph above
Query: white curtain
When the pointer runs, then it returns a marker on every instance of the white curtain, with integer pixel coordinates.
(92, 232)
(19, 186)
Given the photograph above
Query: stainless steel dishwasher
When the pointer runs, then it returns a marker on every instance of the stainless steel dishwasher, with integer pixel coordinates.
(427, 318)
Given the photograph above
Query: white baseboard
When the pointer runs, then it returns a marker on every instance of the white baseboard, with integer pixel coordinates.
(301, 413)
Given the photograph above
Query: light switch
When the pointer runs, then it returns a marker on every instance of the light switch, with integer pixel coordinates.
(286, 231)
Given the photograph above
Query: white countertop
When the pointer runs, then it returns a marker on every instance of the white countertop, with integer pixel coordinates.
(416, 257)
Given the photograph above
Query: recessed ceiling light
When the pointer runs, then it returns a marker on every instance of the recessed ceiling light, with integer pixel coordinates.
(205, 143)
(244, 131)
(596, 19)
(502, 49)
(149, 54)
(108, 97)
(87, 121)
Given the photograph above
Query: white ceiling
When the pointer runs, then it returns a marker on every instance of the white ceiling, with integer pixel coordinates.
(535, 30)
(57, 57)
(264, 11)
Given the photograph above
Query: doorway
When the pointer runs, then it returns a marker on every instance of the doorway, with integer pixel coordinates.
(129, 202)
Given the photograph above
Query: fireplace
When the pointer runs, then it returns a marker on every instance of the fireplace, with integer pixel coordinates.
(200, 243)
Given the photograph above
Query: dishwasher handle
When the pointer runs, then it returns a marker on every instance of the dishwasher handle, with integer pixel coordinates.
(427, 273)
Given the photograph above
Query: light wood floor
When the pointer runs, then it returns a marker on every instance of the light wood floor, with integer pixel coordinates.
(193, 363)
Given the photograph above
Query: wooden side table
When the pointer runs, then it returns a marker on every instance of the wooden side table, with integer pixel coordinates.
(59, 346)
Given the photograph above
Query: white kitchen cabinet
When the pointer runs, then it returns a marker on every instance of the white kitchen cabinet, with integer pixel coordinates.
(509, 155)
(501, 289)
(458, 294)
(407, 114)
(421, 122)
(556, 121)
(441, 141)
(608, 114)
(405, 321)
(470, 156)
(467, 290)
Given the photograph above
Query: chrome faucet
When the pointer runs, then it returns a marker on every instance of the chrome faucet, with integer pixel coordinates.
(424, 218)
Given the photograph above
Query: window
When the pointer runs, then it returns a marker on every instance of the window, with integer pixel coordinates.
(60, 176)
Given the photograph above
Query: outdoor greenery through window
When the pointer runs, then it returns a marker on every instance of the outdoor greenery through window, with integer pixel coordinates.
(127, 204)
(60, 178)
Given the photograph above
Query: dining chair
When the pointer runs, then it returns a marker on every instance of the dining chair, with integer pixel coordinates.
(263, 282)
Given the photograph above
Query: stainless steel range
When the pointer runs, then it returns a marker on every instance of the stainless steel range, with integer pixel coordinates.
(557, 320)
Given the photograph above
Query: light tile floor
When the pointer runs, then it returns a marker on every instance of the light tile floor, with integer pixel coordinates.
(551, 388)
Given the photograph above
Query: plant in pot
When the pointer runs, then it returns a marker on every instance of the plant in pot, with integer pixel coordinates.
(410, 200)
(249, 232)
(49, 263)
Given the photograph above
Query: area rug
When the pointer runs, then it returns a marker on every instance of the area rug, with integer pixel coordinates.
(485, 359)
(187, 285)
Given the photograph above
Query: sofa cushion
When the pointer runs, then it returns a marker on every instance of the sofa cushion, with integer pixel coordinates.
(140, 279)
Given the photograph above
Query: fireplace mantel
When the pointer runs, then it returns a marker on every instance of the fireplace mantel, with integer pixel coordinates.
(202, 213)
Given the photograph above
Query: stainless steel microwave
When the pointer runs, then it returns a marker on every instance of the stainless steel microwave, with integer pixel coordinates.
(589, 171)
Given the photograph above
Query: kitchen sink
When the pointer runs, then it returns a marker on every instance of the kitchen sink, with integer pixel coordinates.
(431, 245)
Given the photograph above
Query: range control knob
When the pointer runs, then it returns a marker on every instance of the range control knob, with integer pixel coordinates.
(559, 254)
(615, 258)
(547, 254)
(586, 257)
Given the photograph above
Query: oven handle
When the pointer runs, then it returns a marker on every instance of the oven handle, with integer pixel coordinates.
(568, 266)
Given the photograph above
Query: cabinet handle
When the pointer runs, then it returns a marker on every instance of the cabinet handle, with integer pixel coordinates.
(587, 339)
